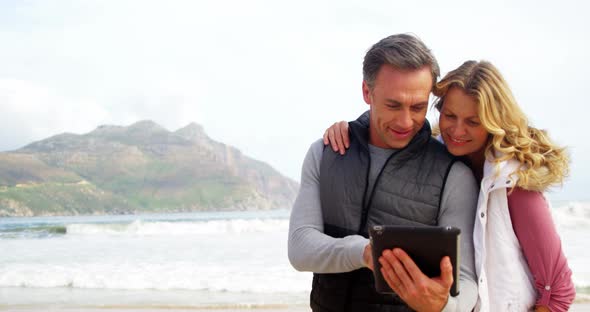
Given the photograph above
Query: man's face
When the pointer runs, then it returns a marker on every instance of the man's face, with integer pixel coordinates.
(398, 100)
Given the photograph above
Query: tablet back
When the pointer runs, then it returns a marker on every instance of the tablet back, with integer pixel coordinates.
(426, 245)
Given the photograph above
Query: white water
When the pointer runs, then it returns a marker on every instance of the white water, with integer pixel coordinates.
(240, 259)
(573, 225)
(218, 227)
(217, 259)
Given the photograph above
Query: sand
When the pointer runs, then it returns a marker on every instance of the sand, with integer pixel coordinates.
(577, 307)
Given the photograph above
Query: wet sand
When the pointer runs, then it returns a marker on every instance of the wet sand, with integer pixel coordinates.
(577, 307)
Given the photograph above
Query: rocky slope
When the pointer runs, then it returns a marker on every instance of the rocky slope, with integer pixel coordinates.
(134, 169)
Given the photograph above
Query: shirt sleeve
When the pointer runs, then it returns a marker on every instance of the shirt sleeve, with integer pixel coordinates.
(458, 205)
(309, 248)
(541, 246)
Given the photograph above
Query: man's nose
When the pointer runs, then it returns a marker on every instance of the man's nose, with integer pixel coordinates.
(405, 120)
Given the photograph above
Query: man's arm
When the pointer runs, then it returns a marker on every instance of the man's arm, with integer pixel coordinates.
(309, 248)
(458, 206)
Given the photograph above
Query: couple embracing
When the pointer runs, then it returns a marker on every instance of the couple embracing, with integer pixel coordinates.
(484, 173)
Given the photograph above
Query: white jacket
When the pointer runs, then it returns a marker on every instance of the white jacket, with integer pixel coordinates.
(505, 281)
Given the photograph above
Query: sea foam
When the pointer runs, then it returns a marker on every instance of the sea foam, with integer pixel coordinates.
(141, 228)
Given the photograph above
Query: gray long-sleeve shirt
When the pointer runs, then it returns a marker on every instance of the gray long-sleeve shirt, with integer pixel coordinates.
(312, 250)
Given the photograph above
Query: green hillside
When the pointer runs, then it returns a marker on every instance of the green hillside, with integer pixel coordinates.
(135, 169)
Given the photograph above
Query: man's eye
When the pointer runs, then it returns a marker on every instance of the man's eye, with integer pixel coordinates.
(450, 116)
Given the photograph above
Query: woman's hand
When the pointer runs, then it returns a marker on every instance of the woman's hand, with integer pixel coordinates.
(337, 136)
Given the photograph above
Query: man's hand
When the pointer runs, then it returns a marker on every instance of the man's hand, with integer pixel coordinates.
(368, 256)
(419, 291)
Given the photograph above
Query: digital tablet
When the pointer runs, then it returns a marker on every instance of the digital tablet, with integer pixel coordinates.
(426, 245)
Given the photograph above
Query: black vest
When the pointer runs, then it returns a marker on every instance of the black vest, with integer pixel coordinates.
(408, 191)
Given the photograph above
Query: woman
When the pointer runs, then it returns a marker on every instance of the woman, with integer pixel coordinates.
(519, 261)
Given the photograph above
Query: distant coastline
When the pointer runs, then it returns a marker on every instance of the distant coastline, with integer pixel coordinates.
(140, 168)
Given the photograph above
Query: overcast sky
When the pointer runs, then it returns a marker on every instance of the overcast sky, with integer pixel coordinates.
(269, 76)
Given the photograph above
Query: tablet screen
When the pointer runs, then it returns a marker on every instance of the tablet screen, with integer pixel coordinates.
(426, 245)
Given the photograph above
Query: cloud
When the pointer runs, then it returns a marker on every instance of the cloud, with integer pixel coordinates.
(267, 77)
(32, 112)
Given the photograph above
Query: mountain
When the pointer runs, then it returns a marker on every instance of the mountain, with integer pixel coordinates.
(139, 168)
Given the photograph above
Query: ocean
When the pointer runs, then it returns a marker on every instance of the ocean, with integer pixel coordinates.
(204, 260)
(212, 260)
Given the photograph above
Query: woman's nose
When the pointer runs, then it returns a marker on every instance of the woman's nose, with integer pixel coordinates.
(459, 130)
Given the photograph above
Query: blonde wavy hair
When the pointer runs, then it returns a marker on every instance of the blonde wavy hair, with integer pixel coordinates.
(511, 136)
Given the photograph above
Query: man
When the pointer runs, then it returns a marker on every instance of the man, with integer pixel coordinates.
(392, 173)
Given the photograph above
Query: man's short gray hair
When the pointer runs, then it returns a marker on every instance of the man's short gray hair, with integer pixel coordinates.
(402, 51)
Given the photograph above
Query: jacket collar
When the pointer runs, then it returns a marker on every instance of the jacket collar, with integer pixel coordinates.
(360, 130)
(498, 175)
(495, 177)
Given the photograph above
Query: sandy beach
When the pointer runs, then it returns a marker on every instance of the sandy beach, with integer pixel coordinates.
(577, 307)
(574, 308)
(291, 308)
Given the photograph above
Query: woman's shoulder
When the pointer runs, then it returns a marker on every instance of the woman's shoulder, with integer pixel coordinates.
(502, 169)
(523, 197)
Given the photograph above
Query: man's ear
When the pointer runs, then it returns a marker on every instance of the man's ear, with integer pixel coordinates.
(366, 93)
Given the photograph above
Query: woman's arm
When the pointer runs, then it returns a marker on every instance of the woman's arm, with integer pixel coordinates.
(337, 135)
(538, 238)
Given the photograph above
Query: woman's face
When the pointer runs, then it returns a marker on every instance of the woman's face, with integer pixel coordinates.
(460, 126)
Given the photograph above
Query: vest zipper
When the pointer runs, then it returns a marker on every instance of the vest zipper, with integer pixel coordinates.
(365, 212)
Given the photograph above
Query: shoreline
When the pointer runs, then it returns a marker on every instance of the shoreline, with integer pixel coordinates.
(92, 300)
(287, 308)
(576, 307)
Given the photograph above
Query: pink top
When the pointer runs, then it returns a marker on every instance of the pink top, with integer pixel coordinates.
(540, 243)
